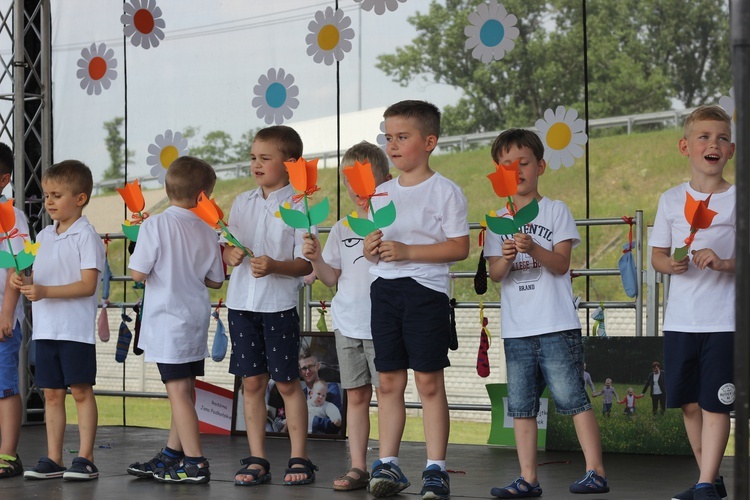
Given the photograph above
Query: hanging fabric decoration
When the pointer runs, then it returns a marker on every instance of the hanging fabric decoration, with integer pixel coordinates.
(138, 309)
(598, 317)
(321, 324)
(480, 279)
(483, 359)
(453, 346)
(102, 324)
(626, 264)
(219, 347)
(123, 338)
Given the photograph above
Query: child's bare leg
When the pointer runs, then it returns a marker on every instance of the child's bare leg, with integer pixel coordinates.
(184, 418)
(11, 414)
(54, 416)
(88, 418)
(296, 422)
(391, 411)
(588, 436)
(692, 415)
(358, 425)
(525, 430)
(435, 415)
(173, 441)
(715, 435)
(253, 394)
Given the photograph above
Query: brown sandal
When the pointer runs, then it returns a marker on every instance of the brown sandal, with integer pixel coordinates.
(353, 483)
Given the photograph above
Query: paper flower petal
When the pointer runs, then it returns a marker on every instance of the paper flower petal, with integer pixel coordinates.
(7, 216)
(132, 195)
(505, 179)
(697, 213)
(303, 174)
(361, 179)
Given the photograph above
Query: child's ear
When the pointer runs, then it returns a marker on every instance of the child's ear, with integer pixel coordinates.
(81, 200)
(542, 166)
(431, 143)
(683, 145)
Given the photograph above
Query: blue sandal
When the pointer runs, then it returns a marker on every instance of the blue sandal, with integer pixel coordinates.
(260, 476)
(517, 489)
(308, 468)
(591, 482)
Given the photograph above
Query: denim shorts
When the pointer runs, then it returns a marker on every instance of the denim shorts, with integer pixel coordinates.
(553, 360)
(9, 363)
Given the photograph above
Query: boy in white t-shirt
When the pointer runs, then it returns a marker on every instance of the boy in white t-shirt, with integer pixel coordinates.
(540, 326)
(178, 255)
(699, 320)
(11, 338)
(341, 262)
(318, 407)
(410, 317)
(65, 278)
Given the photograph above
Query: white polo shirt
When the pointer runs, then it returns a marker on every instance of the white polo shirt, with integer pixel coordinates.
(178, 251)
(253, 221)
(17, 245)
(59, 261)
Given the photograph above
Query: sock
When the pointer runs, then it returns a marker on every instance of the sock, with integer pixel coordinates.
(195, 460)
(439, 463)
(172, 453)
(700, 486)
(393, 460)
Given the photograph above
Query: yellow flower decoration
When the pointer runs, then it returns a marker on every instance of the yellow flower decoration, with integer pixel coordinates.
(30, 247)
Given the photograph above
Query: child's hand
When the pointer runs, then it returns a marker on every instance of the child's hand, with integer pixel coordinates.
(393, 251)
(311, 247)
(707, 258)
(595, 395)
(524, 242)
(372, 242)
(34, 292)
(509, 250)
(679, 266)
(261, 266)
(16, 281)
(233, 256)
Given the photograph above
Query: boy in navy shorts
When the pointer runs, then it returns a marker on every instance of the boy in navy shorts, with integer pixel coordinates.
(66, 276)
(262, 301)
(699, 320)
(410, 317)
(540, 327)
(178, 255)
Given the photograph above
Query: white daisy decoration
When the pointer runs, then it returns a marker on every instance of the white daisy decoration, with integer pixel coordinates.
(329, 36)
(143, 23)
(491, 32)
(166, 148)
(727, 102)
(96, 68)
(380, 139)
(379, 5)
(563, 135)
(275, 96)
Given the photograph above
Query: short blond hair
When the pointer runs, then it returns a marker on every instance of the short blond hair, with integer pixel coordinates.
(187, 176)
(72, 174)
(707, 114)
(367, 152)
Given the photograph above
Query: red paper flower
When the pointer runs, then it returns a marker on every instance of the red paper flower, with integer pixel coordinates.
(505, 179)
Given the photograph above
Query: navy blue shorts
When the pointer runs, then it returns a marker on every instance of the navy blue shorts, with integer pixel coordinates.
(62, 363)
(181, 370)
(699, 369)
(264, 343)
(410, 326)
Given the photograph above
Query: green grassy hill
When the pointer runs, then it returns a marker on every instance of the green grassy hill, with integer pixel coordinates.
(627, 173)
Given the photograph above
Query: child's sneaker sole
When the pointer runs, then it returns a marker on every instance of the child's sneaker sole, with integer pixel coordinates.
(81, 470)
(380, 488)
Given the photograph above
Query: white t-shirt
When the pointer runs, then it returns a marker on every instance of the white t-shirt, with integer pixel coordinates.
(17, 245)
(350, 307)
(253, 221)
(59, 261)
(177, 251)
(533, 300)
(699, 301)
(656, 389)
(428, 213)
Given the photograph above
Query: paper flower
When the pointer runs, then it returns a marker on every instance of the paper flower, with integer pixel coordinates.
(505, 184)
(142, 23)
(562, 133)
(699, 216)
(166, 149)
(303, 175)
(727, 102)
(379, 5)
(96, 68)
(210, 213)
(275, 96)
(329, 36)
(9, 259)
(133, 197)
(491, 32)
(362, 182)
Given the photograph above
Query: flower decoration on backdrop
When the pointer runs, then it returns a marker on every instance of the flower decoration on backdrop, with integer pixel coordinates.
(727, 102)
(379, 6)
(132, 195)
(380, 139)
(96, 68)
(208, 210)
(329, 36)
(362, 182)
(142, 22)
(275, 96)
(303, 175)
(505, 180)
(699, 216)
(166, 148)
(20, 260)
(563, 135)
(491, 32)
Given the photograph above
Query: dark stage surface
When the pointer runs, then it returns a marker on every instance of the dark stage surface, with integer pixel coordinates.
(476, 469)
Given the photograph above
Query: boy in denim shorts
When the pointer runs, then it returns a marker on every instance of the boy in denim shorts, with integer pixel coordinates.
(540, 326)
(262, 301)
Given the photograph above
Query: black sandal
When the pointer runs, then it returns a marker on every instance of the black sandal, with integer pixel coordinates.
(10, 466)
(308, 468)
(258, 478)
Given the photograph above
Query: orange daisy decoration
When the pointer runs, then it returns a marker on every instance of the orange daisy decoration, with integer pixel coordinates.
(210, 213)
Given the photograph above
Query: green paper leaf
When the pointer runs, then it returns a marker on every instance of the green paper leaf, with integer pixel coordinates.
(294, 218)
(680, 253)
(25, 260)
(362, 227)
(385, 216)
(318, 212)
(526, 214)
(501, 225)
(131, 232)
(6, 260)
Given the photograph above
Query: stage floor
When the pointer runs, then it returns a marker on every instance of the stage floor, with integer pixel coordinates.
(475, 470)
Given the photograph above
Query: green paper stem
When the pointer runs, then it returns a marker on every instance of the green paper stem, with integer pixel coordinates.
(230, 237)
(307, 214)
(10, 249)
(511, 206)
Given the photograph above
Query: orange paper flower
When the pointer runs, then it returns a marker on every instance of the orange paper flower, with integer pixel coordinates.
(7, 216)
(133, 196)
(361, 179)
(505, 179)
(303, 175)
(697, 213)
(208, 211)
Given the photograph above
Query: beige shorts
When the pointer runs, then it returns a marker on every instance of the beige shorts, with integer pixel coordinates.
(356, 362)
